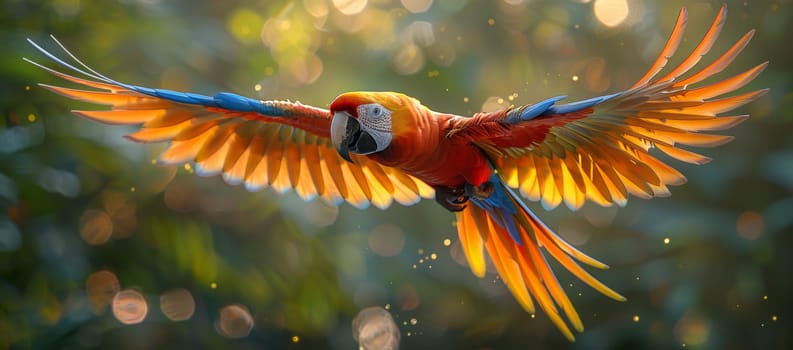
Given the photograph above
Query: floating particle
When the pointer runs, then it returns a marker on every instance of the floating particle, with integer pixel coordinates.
(434, 256)
(295, 339)
(667, 240)
(575, 78)
(447, 242)
(414, 321)
(635, 318)
(491, 22)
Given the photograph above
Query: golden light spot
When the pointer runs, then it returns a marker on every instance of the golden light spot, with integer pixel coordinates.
(31, 117)
(434, 256)
(750, 225)
(388, 306)
(532, 316)
(765, 297)
(132, 189)
(96, 226)
(386, 240)
(575, 78)
(295, 339)
(413, 321)
(213, 285)
(188, 167)
(447, 242)
(433, 73)
(154, 161)
(491, 22)
(130, 307)
(27, 87)
(235, 321)
(773, 318)
(374, 328)
(667, 240)
(466, 100)
(100, 287)
(257, 87)
(350, 7)
(420, 251)
(611, 12)
(177, 304)
(245, 25)
(417, 6)
(635, 318)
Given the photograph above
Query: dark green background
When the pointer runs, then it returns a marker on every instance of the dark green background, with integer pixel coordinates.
(300, 277)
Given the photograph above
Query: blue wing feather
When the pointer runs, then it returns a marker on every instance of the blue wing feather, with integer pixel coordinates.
(225, 100)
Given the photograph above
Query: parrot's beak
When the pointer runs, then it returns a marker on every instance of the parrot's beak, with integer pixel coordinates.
(348, 136)
(343, 129)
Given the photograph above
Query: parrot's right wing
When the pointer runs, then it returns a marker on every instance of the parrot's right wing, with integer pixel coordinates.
(600, 149)
(280, 144)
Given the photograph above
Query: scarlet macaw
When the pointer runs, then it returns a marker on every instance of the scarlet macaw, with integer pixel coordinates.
(380, 147)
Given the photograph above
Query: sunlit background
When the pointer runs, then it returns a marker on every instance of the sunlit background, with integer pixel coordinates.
(101, 249)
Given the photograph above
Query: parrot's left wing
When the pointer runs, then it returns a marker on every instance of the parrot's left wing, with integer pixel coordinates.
(599, 149)
(280, 144)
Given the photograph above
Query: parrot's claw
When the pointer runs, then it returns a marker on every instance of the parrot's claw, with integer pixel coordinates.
(482, 191)
(455, 199)
(451, 198)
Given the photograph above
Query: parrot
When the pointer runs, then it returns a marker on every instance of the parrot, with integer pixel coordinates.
(377, 148)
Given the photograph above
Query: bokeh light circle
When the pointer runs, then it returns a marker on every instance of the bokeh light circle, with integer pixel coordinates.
(96, 226)
(130, 307)
(235, 321)
(101, 287)
(611, 12)
(177, 304)
(374, 328)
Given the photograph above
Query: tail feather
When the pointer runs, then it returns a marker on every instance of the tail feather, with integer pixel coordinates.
(521, 263)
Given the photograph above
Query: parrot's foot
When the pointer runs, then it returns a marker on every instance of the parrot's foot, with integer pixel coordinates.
(451, 198)
(456, 198)
(482, 191)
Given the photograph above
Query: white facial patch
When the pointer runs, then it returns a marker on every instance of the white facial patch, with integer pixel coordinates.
(376, 121)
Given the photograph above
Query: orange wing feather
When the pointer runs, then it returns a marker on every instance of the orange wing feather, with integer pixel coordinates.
(247, 147)
(603, 153)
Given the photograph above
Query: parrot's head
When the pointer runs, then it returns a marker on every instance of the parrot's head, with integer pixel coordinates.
(365, 122)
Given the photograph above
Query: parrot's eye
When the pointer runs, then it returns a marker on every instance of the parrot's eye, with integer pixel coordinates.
(372, 110)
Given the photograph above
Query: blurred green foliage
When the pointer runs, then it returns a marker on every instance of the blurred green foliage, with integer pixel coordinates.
(708, 268)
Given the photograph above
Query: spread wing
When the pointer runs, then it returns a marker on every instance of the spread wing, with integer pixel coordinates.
(599, 149)
(280, 144)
